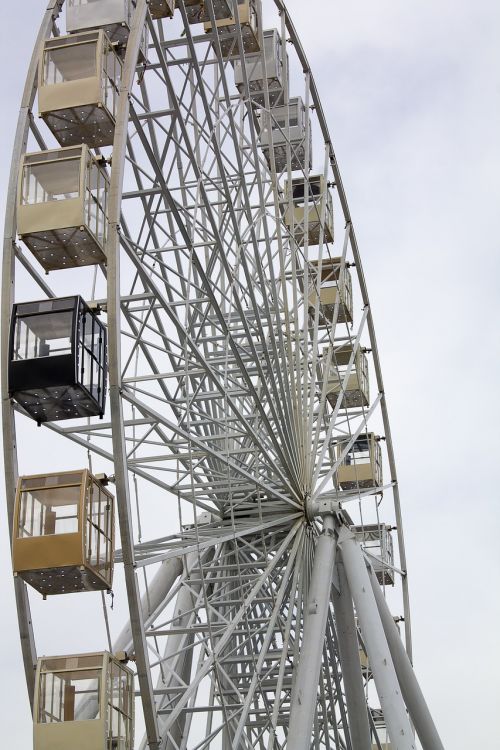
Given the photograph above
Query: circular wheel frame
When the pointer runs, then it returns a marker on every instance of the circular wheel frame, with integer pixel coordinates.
(219, 436)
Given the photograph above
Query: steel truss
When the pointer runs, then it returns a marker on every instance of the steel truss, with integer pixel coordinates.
(242, 622)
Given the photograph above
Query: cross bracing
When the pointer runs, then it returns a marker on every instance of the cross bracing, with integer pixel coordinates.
(222, 427)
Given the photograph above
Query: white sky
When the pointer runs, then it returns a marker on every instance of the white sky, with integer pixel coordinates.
(412, 94)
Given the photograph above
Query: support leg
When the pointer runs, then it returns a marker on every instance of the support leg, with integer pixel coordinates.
(305, 695)
(177, 661)
(384, 674)
(158, 589)
(410, 688)
(345, 624)
(177, 657)
(180, 663)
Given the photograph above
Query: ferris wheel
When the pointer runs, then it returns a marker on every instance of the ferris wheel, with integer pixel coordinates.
(205, 336)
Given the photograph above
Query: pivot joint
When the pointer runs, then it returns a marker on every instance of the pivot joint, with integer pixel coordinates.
(321, 507)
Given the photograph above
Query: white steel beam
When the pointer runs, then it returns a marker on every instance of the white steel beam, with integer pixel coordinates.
(347, 637)
(158, 589)
(115, 386)
(386, 681)
(414, 699)
(305, 694)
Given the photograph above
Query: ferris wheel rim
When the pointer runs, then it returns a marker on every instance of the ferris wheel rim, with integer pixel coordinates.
(119, 154)
(28, 647)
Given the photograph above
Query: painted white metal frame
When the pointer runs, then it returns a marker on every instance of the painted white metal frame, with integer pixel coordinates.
(214, 357)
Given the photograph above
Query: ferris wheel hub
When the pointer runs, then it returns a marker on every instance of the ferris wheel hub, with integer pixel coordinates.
(318, 507)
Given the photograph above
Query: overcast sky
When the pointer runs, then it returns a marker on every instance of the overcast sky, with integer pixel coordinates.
(412, 94)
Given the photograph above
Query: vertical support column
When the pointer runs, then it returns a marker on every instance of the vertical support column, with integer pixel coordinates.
(115, 384)
(386, 681)
(305, 694)
(410, 688)
(345, 625)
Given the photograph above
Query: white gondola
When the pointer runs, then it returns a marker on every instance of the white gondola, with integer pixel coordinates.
(376, 539)
(356, 392)
(83, 702)
(63, 540)
(62, 207)
(305, 214)
(334, 285)
(78, 83)
(361, 467)
(114, 16)
(196, 11)
(227, 28)
(267, 65)
(161, 9)
(286, 129)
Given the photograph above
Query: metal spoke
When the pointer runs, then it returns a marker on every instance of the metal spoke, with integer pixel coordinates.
(241, 440)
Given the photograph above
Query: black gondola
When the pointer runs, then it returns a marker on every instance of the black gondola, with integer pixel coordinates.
(57, 359)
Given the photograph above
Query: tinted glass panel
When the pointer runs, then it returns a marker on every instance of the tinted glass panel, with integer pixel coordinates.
(70, 63)
(45, 335)
(99, 529)
(119, 707)
(46, 512)
(68, 696)
(51, 181)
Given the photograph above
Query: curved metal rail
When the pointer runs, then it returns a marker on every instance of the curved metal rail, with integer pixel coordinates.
(127, 114)
(25, 121)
